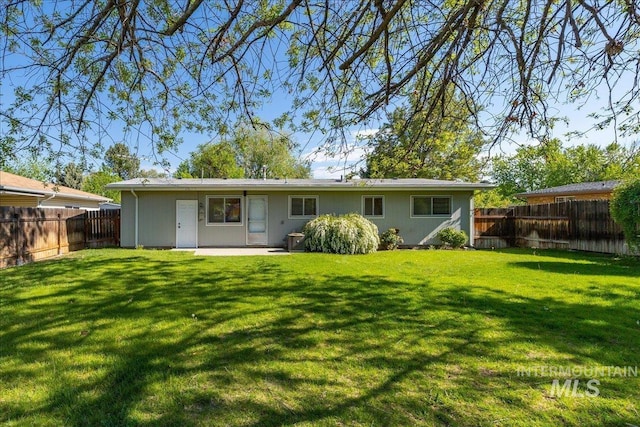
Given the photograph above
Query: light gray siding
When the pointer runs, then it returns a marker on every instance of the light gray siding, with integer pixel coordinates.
(157, 215)
(127, 220)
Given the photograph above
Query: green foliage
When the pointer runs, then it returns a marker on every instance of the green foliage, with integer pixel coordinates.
(95, 183)
(494, 199)
(391, 239)
(31, 167)
(625, 209)
(243, 156)
(452, 238)
(121, 161)
(211, 161)
(550, 165)
(410, 146)
(165, 67)
(258, 148)
(151, 173)
(71, 175)
(346, 234)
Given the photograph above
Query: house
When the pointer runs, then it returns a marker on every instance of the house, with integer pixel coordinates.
(167, 212)
(18, 191)
(601, 190)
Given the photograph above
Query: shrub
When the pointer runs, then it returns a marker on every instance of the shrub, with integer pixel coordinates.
(451, 237)
(346, 234)
(625, 209)
(390, 239)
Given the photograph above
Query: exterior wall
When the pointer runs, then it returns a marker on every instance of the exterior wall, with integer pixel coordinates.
(157, 216)
(127, 220)
(539, 200)
(55, 203)
(18, 201)
(63, 203)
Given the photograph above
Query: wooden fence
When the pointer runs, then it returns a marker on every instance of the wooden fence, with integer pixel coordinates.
(580, 225)
(29, 234)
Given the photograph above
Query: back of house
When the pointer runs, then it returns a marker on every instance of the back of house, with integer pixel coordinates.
(168, 212)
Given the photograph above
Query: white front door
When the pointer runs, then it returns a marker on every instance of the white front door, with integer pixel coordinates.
(186, 223)
(257, 220)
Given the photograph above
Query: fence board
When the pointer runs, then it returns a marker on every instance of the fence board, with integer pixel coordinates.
(29, 234)
(584, 225)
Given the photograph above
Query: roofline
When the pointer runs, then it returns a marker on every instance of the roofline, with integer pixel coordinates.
(27, 192)
(551, 193)
(4, 190)
(284, 186)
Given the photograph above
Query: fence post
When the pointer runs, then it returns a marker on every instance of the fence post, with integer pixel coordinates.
(86, 228)
(59, 227)
(16, 237)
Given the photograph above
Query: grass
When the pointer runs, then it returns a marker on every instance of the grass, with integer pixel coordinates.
(139, 337)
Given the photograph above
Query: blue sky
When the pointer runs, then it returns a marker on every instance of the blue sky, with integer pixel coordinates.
(325, 166)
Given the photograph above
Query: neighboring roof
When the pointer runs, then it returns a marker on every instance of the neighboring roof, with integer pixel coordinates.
(109, 206)
(21, 186)
(176, 184)
(580, 188)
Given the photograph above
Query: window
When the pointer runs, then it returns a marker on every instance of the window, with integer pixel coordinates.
(373, 206)
(564, 198)
(303, 206)
(430, 206)
(224, 210)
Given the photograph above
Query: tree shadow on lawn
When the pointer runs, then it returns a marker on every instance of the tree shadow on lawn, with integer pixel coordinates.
(587, 262)
(592, 269)
(248, 332)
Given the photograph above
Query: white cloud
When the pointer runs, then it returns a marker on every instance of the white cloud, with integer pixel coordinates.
(325, 164)
(364, 133)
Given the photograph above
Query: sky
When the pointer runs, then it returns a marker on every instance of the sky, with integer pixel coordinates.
(327, 166)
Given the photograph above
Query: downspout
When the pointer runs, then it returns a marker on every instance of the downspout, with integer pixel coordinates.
(46, 200)
(135, 226)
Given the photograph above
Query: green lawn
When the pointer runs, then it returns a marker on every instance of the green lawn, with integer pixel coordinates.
(140, 337)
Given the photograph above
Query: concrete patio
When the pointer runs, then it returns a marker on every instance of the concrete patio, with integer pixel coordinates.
(236, 251)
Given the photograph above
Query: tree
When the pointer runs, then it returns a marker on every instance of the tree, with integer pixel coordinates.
(166, 66)
(494, 199)
(96, 182)
(412, 147)
(244, 156)
(625, 209)
(550, 165)
(70, 176)
(121, 161)
(151, 173)
(256, 149)
(211, 161)
(31, 167)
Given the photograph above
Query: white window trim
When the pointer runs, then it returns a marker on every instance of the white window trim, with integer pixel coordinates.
(225, 224)
(432, 215)
(305, 196)
(384, 208)
(560, 199)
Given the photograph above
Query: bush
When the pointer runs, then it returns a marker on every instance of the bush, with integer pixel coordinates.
(452, 237)
(390, 239)
(625, 210)
(346, 234)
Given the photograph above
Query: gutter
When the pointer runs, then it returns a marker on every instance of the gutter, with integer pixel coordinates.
(47, 199)
(19, 191)
(135, 225)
